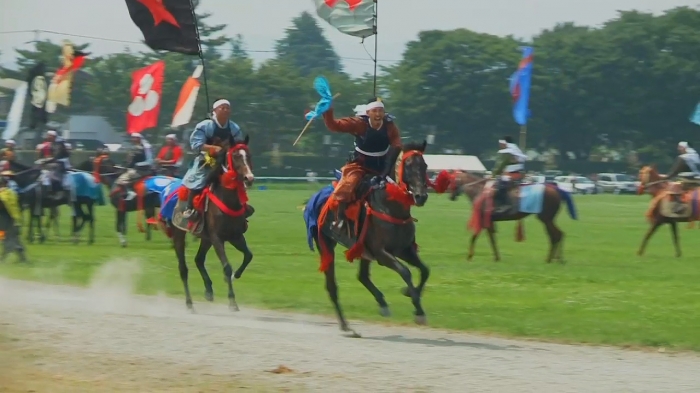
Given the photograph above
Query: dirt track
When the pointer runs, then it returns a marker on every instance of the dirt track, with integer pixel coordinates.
(64, 339)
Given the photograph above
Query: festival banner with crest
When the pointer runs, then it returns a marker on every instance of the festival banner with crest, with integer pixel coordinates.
(37, 95)
(59, 91)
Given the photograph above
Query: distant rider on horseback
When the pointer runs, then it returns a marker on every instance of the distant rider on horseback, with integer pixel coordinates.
(377, 146)
(55, 156)
(208, 138)
(509, 169)
(170, 155)
(139, 163)
(8, 153)
(687, 161)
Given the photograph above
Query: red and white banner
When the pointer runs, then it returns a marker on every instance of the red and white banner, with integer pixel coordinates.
(187, 99)
(146, 93)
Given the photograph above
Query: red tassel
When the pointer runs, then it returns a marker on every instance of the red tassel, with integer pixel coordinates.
(519, 231)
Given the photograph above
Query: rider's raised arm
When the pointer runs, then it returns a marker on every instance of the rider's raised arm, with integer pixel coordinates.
(678, 167)
(394, 134)
(347, 125)
(199, 136)
(236, 132)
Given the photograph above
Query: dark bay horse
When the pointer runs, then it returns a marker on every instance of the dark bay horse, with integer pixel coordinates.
(667, 196)
(31, 195)
(106, 172)
(474, 186)
(386, 233)
(223, 220)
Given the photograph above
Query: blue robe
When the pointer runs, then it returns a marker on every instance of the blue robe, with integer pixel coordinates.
(196, 175)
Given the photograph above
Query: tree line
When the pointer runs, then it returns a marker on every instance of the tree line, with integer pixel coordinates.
(628, 85)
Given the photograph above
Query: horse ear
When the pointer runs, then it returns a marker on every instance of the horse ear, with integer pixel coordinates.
(247, 139)
(423, 146)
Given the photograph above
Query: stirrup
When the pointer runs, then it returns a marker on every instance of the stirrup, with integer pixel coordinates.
(188, 213)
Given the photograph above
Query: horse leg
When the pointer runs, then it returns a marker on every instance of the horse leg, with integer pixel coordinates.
(492, 239)
(91, 221)
(654, 226)
(228, 270)
(410, 255)
(39, 227)
(30, 231)
(364, 277)
(241, 245)
(121, 227)
(674, 233)
(388, 260)
(470, 255)
(54, 220)
(199, 260)
(149, 213)
(325, 243)
(555, 237)
(179, 242)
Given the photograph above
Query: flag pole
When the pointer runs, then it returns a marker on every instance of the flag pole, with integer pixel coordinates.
(376, 12)
(523, 136)
(201, 55)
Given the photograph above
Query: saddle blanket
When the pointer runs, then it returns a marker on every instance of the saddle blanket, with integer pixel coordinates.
(81, 184)
(168, 199)
(313, 210)
(157, 184)
(532, 198)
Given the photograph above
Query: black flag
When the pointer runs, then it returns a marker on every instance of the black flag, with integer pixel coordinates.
(166, 24)
(36, 81)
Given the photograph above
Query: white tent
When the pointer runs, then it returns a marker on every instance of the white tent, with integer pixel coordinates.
(439, 162)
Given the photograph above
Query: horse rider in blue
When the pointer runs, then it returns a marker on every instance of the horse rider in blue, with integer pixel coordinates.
(55, 157)
(139, 164)
(208, 137)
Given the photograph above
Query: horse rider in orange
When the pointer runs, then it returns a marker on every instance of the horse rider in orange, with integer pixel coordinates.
(170, 155)
(377, 146)
(509, 169)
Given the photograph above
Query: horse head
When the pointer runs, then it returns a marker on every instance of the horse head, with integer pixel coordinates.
(235, 165)
(412, 171)
(649, 179)
(467, 183)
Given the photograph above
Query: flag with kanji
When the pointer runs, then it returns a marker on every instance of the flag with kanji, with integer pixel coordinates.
(166, 24)
(520, 87)
(59, 90)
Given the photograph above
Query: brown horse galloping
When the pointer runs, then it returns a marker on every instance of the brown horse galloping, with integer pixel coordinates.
(670, 204)
(223, 209)
(474, 187)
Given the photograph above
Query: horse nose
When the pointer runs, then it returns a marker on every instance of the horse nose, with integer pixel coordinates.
(420, 199)
(249, 178)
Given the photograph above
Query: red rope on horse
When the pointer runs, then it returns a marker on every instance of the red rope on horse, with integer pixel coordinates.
(355, 252)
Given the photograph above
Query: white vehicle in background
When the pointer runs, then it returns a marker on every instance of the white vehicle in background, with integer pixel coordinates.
(617, 183)
(577, 185)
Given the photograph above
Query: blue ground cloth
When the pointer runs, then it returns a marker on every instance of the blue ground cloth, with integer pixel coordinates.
(158, 183)
(85, 186)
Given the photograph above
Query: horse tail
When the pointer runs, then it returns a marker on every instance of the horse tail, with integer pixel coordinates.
(566, 197)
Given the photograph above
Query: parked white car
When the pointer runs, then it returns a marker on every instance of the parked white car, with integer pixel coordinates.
(577, 185)
(617, 183)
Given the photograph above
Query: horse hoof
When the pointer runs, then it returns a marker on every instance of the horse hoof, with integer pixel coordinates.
(352, 334)
(209, 296)
(469, 258)
(233, 306)
(123, 245)
(405, 292)
(189, 305)
(237, 274)
(384, 311)
(421, 320)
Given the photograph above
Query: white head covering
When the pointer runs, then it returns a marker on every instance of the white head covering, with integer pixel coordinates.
(220, 102)
(683, 144)
(512, 148)
(51, 133)
(171, 136)
(136, 135)
(10, 142)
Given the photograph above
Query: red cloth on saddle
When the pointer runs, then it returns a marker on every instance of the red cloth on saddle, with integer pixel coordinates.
(199, 201)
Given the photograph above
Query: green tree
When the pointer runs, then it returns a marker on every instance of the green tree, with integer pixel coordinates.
(238, 47)
(305, 46)
(213, 41)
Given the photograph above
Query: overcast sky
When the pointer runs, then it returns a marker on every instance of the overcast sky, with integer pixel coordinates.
(261, 22)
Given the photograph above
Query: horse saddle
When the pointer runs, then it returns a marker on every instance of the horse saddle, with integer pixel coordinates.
(506, 200)
(677, 206)
(193, 225)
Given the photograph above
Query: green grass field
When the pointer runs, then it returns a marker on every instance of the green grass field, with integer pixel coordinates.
(604, 294)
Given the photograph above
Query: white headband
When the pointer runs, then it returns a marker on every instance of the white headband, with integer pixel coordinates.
(171, 136)
(10, 141)
(503, 141)
(136, 135)
(374, 105)
(683, 144)
(52, 133)
(220, 102)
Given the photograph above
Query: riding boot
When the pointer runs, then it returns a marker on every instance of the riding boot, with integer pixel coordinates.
(249, 211)
(191, 212)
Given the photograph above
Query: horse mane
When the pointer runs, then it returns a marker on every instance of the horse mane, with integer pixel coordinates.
(420, 146)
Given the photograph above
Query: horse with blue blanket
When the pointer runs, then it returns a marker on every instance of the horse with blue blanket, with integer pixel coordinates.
(544, 200)
(144, 200)
(84, 192)
(222, 208)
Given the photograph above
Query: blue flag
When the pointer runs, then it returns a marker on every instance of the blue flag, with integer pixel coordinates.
(520, 87)
(324, 104)
(695, 116)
